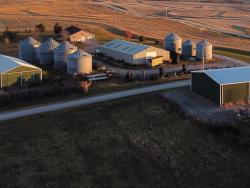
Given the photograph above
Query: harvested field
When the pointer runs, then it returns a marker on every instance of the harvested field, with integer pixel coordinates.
(109, 23)
(118, 144)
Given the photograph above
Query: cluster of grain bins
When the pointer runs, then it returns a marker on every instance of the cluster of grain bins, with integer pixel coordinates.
(46, 51)
(29, 50)
(63, 55)
(174, 44)
(132, 53)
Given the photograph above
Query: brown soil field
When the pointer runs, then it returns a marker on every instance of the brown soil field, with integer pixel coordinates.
(21, 15)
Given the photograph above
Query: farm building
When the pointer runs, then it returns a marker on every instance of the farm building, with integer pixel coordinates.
(223, 86)
(132, 53)
(16, 72)
(75, 34)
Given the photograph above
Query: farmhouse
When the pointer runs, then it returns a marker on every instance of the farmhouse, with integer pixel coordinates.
(75, 34)
(16, 72)
(132, 53)
(223, 86)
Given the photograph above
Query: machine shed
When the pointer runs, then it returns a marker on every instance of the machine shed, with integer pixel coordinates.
(16, 72)
(223, 86)
(132, 53)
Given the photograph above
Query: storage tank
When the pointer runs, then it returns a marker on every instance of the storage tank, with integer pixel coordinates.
(28, 50)
(173, 43)
(61, 54)
(189, 48)
(79, 62)
(46, 51)
(204, 47)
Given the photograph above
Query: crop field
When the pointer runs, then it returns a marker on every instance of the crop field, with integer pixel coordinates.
(134, 142)
(94, 16)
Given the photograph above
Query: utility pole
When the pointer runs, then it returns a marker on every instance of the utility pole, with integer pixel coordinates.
(166, 13)
(203, 59)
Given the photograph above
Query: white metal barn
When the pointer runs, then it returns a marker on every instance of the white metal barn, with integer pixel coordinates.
(204, 48)
(131, 52)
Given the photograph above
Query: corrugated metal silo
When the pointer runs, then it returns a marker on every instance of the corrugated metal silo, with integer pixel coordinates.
(61, 54)
(206, 48)
(173, 43)
(28, 50)
(79, 62)
(189, 48)
(46, 51)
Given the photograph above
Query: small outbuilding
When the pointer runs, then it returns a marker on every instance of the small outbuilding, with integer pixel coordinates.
(75, 34)
(223, 86)
(16, 72)
(132, 53)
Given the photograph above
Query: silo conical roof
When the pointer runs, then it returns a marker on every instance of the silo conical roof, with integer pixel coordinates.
(78, 54)
(65, 47)
(204, 43)
(173, 36)
(30, 41)
(49, 44)
(188, 43)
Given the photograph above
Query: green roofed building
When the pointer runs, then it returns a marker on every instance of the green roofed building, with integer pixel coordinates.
(16, 72)
(223, 86)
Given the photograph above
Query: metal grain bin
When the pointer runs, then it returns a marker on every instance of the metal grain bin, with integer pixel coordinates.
(46, 51)
(79, 62)
(173, 43)
(61, 54)
(189, 48)
(204, 48)
(28, 50)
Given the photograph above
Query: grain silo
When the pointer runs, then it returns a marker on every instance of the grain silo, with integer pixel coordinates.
(61, 54)
(204, 48)
(79, 62)
(189, 48)
(28, 50)
(173, 43)
(46, 51)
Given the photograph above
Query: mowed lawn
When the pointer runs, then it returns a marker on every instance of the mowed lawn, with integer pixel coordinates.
(134, 142)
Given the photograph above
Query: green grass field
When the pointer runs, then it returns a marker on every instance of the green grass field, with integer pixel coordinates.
(133, 142)
(233, 53)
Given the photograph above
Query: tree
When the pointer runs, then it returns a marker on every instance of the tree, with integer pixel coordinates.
(141, 38)
(57, 28)
(8, 36)
(40, 28)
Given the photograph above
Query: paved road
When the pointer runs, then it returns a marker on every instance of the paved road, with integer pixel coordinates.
(91, 100)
